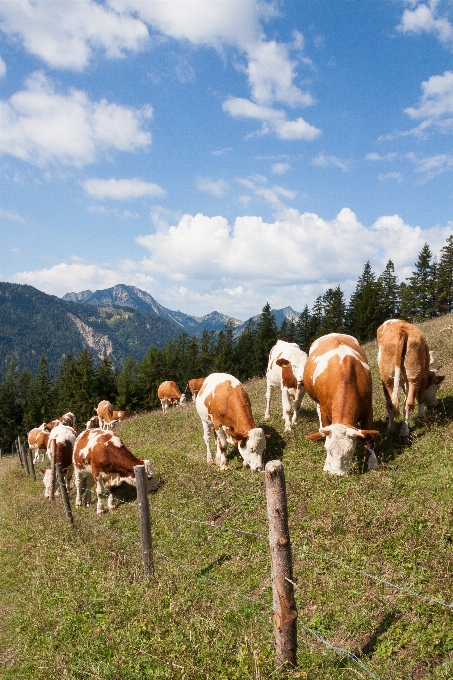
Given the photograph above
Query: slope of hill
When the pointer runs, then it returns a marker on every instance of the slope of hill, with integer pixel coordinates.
(78, 606)
(34, 323)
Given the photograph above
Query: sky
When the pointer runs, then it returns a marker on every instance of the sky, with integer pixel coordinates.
(221, 154)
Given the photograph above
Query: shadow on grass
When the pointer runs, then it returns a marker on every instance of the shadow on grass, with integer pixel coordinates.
(216, 563)
(386, 623)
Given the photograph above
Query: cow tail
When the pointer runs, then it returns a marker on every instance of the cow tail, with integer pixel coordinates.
(399, 360)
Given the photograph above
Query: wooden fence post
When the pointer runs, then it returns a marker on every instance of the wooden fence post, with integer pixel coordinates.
(145, 521)
(29, 452)
(284, 605)
(52, 470)
(64, 493)
(24, 456)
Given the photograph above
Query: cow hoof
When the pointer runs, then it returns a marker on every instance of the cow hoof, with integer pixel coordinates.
(223, 467)
(267, 416)
(287, 428)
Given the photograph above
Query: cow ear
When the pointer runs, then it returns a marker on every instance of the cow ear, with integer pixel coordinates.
(282, 362)
(439, 379)
(315, 437)
(367, 434)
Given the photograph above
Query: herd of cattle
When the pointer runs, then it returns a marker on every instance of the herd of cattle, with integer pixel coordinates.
(335, 374)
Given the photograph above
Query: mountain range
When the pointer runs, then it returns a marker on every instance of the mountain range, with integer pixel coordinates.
(117, 321)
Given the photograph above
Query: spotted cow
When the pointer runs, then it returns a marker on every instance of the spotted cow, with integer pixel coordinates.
(337, 377)
(105, 414)
(406, 362)
(169, 394)
(194, 385)
(224, 405)
(62, 438)
(101, 457)
(286, 371)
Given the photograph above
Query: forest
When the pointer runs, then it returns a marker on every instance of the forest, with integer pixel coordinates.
(28, 400)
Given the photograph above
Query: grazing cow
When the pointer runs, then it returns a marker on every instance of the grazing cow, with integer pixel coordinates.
(405, 361)
(168, 393)
(64, 438)
(41, 446)
(32, 437)
(337, 377)
(223, 404)
(103, 458)
(286, 370)
(105, 413)
(67, 419)
(194, 386)
(93, 423)
(119, 416)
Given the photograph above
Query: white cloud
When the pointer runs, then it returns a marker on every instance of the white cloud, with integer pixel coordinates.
(216, 188)
(323, 161)
(2, 67)
(121, 214)
(424, 19)
(374, 156)
(63, 278)
(10, 215)
(271, 118)
(280, 168)
(431, 166)
(436, 101)
(397, 176)
(272, 195)
(121, 189)
(66, 34)
(296, 250)
(40, 125)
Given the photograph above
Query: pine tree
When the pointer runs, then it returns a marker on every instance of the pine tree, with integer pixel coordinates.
(106, 381)
(40, 405)
(266, 337)
(64, 387)
(389, 294)
(127, 398)
(206, 353)
(316, 316)
(151, 373)
(26, 397)
(333, 311)
(302, 329)
(224, 353)
(11, 409)
(445, 278)
(245, 360)
(362, 311)
(420, 297)
(84, 387)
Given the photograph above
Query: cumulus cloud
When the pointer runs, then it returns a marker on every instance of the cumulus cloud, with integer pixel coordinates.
(63, 278)
(272, 119)
(41, 125)
(280, 168)
(216, 188)
(425, 18)
(323, 161)
(2, 67)
(436, 102)
(66, 34)
(431, 166)
(297, 250)
(121, 189)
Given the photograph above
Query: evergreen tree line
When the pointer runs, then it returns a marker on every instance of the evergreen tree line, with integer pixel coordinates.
(26, 402)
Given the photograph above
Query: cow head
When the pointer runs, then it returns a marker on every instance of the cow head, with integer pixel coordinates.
(434, 382)
(151, 478)
(340, 442)
(252, 448)
(182, 398)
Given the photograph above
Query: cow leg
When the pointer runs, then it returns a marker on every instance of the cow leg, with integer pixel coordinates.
(89, 481)
(78, 486)
(286, 406)
(36, 452)
(206, 430)
(372, 460)
(267, 414)
(99, 493)
(389, 418)
(221, 442)
(111, 501)
(297, 402)
(68, 476)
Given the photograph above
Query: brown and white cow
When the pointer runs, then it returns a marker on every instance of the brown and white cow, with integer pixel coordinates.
(38, 448)
(42, 441)
(406, 362)
(119, 416)
(194, 385)
(286, 370)
(337, 377)
(169, 393)
(93, 423)
(102, 457)
(67, 419)
(105, 414)
(224, 405)
(63, 438)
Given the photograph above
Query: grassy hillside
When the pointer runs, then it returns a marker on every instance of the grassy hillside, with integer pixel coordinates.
(74, 604)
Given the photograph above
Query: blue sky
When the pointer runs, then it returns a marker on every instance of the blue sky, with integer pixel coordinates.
(223, 153)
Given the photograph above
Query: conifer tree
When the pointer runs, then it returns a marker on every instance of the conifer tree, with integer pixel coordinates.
(151, 373)
(316, 316)
(362, 311)
(245, 352)
(106, 381)
(11, 409)
(224, 354)
(266, 337)
(420, 294)
(128, 398)
(302, 329)
(206, 353)
(64, 387)
(389, 293)
(40, 405)
(26, 397)
(333, 311)
(445, 278)
(84, 387)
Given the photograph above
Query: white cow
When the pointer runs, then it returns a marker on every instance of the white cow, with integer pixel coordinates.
(285, 370)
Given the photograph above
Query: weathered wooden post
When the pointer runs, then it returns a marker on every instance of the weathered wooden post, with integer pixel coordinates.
(23, 455)
(52, 470)
(29, 453)
(145, 521)
(284, 605)
(64, 493)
